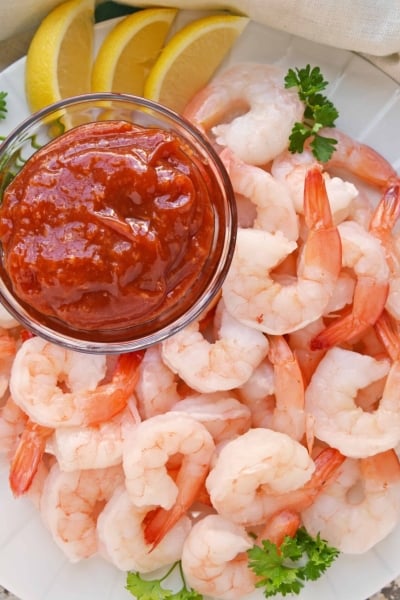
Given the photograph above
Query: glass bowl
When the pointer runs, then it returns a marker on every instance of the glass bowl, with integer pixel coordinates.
(41, 294)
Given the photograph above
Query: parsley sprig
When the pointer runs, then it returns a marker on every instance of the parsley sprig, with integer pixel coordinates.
(3, 105)
(151, 589)
(319, 112)
(284, 570)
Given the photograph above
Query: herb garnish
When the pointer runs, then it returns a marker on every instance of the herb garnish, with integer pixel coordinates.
(319, 112)
(3, 105)
(151, 589)
(283, 570)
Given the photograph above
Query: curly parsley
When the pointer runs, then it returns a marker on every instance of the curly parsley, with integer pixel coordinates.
(319, 112)
(151, 589)
(284, 570)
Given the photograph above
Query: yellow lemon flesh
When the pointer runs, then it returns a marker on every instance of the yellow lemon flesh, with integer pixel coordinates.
(191, 57)
(129, 51)
(60, 56)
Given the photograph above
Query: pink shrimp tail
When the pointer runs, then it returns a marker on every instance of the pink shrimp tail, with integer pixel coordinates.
(388, 332)
(27, 457)
(387, 212)
(281, 525)
(364, 314)
(162, 520)
(110, 403)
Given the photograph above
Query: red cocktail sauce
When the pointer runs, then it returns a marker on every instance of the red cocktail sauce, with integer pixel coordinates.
(108, 225)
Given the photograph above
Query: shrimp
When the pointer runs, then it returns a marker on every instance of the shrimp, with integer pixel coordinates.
(28, 455)
(120, 533)
(42, 371)
(94, 447)
(247, 109)
(360, 507)
(362, 252)
(264, 472)
(284, 523)
(299, 342)
(291, 169)
(214, 559)
(12, 424)
(382, 223)
(8, 349)
(275, 391)
(275, 210)
(251, 293)
(156, 388)
(146, 455)
(359, 159)
(331, 400)
(257, 393)
(70, 504)
(251, 467)
(288, 415)
(222, 414)
(7, 321)
(220, 365)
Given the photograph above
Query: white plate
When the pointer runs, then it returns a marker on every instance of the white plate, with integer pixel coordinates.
(31, 566)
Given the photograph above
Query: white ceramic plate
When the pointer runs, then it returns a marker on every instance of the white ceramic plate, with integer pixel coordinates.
(31, 566)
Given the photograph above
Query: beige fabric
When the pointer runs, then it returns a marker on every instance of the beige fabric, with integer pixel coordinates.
(371, 27)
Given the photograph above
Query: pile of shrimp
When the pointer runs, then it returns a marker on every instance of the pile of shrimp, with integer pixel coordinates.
(278, 408)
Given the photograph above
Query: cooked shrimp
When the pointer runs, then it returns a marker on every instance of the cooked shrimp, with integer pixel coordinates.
(291, 169)
(220, 365)
(255, 465)
(382, 224)
(222, 414)
(264, 472)
(96, 446)
(8, 349)
(70, 504)
(12, 424)
(267, 111)
(27, 457)
(359, 159)
(146, 455)
(274, 206)
(7, 321)
(120, 531)
(255, 298)
(288, 415)
(257, 393)
(362, 252)
(331, 400)
(42, 371)
(360, 506)
(156, 388)
(214, 559)
(299, 342)
(284, 523)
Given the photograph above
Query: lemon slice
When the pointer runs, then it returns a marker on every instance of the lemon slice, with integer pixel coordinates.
(60, 56)
(188, 61)
(129, 51)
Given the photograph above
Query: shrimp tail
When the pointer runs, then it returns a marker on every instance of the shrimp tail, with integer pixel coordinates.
(387, 211)
(162, 520)
(107, 404)
(364, 314)
(281, 525)
(27, 457)
(326, 464)
(388, 332)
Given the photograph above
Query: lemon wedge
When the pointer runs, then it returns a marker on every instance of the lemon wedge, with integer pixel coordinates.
(129, 51)
(190, 58)
(60, 56)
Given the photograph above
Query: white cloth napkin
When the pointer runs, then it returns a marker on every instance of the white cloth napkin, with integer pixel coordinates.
(370, 26)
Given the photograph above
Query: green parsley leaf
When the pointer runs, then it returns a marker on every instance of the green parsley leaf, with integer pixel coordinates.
(318, 112)
(283, 570)
(3, 105)
(151, 589)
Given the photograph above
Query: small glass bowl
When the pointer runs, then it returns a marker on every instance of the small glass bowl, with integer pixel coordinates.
(47, 124)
